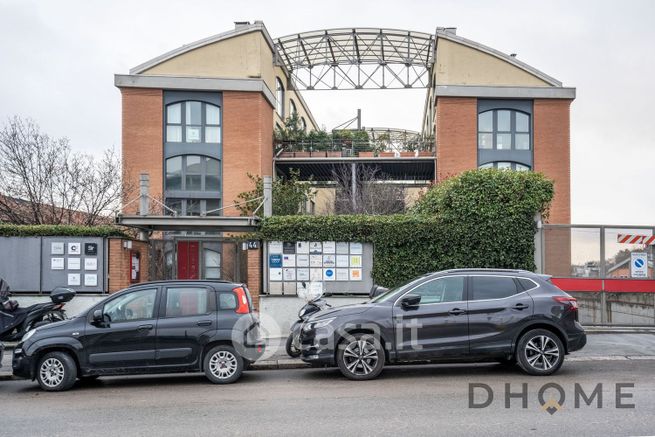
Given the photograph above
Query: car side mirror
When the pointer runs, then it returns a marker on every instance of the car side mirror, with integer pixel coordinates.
(98, 317)
(410, 301)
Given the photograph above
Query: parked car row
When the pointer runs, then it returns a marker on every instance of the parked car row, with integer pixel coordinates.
(511, 316)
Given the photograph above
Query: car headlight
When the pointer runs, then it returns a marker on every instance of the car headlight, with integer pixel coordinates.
(27, 335)
(318, 324)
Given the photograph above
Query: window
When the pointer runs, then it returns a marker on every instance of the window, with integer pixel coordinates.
(527, 284)
(505, 165)
(492, 287)
(188, 301)
(193, 207)
(448, 289)
(303, 124)
(279, 97)
(193, 122)
(292, 107)
(504, 129)
(211, 256)
(192, 173)
(137, 305)
(227, 301)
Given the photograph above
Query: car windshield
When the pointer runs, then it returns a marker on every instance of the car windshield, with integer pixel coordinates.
(389, 294)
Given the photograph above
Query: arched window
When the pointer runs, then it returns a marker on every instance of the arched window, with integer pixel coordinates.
(193, 122)
(192, 173)
(292, 107)
(279, 97)
(303, 124)
(504, 129)
(506, 165)
(192, 185)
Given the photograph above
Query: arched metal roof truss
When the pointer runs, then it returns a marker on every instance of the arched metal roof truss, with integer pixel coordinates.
(358, 58)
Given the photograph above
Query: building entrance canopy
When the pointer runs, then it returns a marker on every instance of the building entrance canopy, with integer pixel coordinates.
(189, 223)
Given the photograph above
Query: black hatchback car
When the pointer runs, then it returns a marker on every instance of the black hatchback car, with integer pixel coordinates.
(155, 327)
(511, 316)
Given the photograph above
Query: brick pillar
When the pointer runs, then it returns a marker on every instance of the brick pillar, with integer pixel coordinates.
(119, 263)
(456, 136)
(552, 152)
(254, 281)
(142, 142)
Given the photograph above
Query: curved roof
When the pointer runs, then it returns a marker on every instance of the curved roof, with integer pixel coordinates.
(354, 58)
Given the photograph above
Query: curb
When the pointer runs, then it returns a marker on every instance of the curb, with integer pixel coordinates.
(279, 364)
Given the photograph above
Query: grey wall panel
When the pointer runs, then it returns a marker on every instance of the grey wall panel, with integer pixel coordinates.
(52, 278)
(20, 262)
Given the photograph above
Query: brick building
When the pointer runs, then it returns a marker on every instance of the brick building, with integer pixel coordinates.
(199, 118)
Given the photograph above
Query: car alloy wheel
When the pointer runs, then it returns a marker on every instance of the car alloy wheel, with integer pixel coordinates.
(223, 364)
(52, 372)
(542, 353)
(360, 357)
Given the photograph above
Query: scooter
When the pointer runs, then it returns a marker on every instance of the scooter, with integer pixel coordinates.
(315, 303)
(16, 321)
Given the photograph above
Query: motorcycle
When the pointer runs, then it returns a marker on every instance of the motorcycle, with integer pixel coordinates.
(16, 321)
(315, 303)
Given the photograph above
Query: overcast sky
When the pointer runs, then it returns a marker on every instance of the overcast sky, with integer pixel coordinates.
(58, 58)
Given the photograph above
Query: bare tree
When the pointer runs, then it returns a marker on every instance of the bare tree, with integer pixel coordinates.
(44, 182)
(368, 191)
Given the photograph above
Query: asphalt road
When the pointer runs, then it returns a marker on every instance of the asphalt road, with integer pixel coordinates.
(416, 400)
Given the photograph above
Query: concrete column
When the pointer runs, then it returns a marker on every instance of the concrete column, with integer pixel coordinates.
(268, 196)
(144, 201)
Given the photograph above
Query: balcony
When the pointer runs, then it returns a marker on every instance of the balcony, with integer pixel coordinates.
(399, 155)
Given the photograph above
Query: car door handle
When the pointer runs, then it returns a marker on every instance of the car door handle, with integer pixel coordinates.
(456, 312)
(520, 306)
(204, 323)
(144, 327)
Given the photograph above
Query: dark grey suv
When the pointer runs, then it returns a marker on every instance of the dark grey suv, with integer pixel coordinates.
(511, 316)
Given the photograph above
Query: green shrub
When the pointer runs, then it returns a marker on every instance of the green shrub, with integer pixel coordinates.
(481, 218)
(10, 230)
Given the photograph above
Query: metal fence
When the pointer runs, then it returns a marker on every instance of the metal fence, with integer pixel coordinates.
(608, 268)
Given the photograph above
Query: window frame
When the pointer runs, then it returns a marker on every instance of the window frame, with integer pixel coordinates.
(512, 129)
(513, 165)
(183, 173)
(203, 122)
(155, 310)
(519, 287)
(211, 300)
(464, 294)
(279, 97)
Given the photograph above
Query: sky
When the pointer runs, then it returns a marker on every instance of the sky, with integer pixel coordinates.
(58, 58)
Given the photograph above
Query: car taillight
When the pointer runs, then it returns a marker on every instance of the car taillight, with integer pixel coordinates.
(567, 300)
(242, 300)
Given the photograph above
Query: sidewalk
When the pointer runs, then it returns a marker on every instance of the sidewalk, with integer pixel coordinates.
(601, 346)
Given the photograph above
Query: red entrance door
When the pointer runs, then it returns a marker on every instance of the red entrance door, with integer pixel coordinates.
(187, 260)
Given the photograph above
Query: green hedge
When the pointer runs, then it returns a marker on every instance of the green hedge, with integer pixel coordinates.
(481, 218)
(10, 230)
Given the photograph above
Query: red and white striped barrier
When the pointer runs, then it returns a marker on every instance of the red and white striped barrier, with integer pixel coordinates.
(635, 239)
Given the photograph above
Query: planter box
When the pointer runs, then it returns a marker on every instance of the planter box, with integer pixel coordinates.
(366, 154)
(407, 154)
(386, 154)
(287, 155)
(302, 154)
(425, 153)
(333, 154)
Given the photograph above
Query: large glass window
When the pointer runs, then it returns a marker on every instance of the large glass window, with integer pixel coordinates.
(279, 97)
(194, 207)
(505, 165)
(492, 287)
(193, 122)
(448, 289)
(504, 129)
(192, 173)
